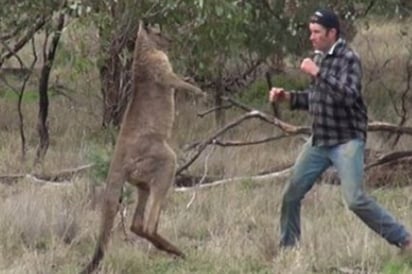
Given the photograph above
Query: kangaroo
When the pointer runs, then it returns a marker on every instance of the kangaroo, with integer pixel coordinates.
(142, 155)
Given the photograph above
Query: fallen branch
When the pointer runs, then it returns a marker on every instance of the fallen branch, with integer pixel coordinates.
(394, 162)
(289, 129)
(256, 142)
(42, 181)
(202, 146)
(383, 126)
(390, 157)
(293, 129)
(271, 176)
(62, 176)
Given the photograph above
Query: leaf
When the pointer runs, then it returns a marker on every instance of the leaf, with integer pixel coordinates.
(219, 10)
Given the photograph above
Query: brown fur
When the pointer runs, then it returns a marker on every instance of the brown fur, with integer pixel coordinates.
(142, 155)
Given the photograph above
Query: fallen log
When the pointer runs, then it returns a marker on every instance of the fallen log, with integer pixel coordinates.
(390, 170)
(62, 176)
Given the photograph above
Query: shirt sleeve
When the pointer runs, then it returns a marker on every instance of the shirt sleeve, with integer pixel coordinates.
(299, 99)
(345, 87)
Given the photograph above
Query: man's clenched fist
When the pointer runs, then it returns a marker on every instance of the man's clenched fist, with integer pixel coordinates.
(309, 67)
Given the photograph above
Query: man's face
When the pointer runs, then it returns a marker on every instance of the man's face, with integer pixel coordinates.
(321, 38)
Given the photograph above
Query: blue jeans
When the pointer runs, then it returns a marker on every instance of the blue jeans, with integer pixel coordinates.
(347, 158)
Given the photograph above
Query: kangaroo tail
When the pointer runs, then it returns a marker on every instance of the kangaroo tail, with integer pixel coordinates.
(110, 208)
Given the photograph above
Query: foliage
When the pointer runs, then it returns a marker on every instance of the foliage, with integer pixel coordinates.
(19, 15)
(207, 32)
(211, 32)
(101, 161)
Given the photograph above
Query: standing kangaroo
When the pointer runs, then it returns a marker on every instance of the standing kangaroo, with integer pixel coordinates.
(142, 155)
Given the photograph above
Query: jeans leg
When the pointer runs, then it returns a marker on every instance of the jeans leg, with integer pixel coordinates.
(309, 165)
(348, 160)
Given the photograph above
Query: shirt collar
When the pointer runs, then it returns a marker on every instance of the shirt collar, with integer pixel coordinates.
(332, 49)
(337, 43)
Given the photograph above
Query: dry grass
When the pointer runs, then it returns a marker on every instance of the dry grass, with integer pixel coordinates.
(228, 229)
(385, 51)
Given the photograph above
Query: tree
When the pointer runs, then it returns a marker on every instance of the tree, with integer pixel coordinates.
(17, 30)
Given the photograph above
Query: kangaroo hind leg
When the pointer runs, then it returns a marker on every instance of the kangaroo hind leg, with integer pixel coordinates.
(138, 218)
(151, 222)
(151, 197)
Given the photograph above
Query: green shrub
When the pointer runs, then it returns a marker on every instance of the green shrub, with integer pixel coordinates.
(101, 161)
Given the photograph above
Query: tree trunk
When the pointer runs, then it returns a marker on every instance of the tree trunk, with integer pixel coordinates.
(42, 127)
(115, 78)
(110, 79)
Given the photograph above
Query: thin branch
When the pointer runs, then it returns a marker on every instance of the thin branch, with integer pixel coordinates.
(202, 146)
(236, 103)
(271, 176)
(10, 35)
(369, 7)
(23, 41)
(284, 126)
(205, 171)
(149, 14)
(256, 142)
(287, 128)
(404, 110)
(20, 100)
(390, 157)
(204, 113)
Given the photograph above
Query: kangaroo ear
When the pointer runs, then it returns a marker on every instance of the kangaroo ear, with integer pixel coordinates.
(141, 28)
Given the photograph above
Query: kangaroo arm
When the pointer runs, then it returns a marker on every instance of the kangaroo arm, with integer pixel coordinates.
(178, 84)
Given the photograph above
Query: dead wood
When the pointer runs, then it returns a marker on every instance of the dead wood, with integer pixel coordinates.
(257, 178)
(61, 176)
(201, 146)
(395, 173)
(393, 169)
(287, 128)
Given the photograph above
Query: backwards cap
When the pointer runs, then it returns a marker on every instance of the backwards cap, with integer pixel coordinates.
(326, 18)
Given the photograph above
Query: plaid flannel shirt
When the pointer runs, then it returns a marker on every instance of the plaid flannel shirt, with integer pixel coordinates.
(334, 98)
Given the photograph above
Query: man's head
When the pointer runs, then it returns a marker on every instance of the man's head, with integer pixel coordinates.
(324, 29)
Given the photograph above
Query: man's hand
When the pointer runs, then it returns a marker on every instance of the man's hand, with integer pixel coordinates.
(309, 67)
(278, 95)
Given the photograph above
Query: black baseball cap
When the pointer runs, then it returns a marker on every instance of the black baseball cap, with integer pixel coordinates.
(327, 18)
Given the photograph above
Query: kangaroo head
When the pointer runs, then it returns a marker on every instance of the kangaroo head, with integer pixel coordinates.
(150, 36)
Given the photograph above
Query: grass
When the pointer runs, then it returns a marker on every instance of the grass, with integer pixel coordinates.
(233, 228)
(29, 96)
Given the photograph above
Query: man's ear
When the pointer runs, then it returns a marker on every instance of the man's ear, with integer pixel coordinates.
(333, 32)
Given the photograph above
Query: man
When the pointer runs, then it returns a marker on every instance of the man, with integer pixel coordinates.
(339, 132)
